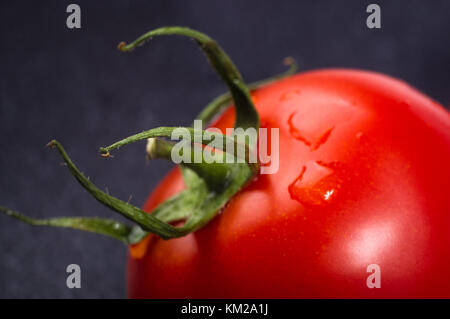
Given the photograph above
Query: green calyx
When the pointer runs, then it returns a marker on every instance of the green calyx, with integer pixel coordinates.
(210, 182)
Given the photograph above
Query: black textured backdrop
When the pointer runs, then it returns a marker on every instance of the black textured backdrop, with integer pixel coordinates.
(75, 86)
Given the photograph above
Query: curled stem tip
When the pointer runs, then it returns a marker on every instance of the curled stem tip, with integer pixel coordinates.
(104, 153)
(51, 144)
(246, 115)
(121, 46)
(290, 61)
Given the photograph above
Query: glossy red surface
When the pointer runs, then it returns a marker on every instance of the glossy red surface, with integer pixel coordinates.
(364, 178)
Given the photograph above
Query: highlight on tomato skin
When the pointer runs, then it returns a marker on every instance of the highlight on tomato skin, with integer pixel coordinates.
(363, 180)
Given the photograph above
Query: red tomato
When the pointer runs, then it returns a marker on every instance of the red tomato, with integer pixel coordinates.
(364, 179)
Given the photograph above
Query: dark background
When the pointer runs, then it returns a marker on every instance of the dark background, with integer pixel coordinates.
(73, 85)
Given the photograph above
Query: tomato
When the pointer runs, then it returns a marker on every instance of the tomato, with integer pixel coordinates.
(363, 179)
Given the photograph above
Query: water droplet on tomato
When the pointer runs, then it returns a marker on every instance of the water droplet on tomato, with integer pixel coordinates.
(316, 185)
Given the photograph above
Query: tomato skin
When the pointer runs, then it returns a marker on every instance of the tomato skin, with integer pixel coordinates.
(384, 171)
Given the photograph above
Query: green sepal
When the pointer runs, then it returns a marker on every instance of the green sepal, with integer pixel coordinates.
(197, 204)
(246, 114)
(103, 226)
(224, 100)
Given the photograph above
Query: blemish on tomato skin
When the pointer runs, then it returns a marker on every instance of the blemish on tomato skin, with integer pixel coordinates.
(322, 139)
(297, 134)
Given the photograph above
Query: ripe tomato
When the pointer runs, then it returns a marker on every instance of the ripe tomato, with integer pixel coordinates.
(363, 179)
